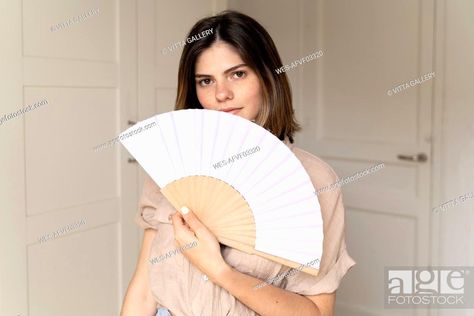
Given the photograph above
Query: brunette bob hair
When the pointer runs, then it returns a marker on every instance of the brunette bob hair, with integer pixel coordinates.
(257, 50)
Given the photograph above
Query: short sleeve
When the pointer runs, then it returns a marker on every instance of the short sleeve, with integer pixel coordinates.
(153, 207)
(335, 260)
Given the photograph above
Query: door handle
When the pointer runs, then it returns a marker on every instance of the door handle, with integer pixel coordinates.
(131, 160)
(421, 157)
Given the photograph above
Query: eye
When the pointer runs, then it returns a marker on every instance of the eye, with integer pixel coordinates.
(204, 82)
(239, 73)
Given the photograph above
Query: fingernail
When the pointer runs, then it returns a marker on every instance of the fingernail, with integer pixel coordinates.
(184, 210)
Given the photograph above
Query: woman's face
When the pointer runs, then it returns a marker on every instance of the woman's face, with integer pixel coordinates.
(225, 82)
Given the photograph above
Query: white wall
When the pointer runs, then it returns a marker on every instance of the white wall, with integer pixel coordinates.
(454, 99)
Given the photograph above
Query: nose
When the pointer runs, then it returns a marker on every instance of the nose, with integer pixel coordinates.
(223, 92)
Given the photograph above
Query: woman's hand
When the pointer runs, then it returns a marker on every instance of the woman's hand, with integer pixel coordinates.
(206, 256)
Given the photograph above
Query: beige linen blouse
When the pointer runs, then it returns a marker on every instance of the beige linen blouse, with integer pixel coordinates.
(177, 285)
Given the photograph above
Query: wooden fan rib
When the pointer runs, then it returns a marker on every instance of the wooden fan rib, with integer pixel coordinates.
(250, 250)
(216, 208)
(224, 222)
(289, 263)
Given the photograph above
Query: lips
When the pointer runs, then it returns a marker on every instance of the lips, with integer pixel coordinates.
(230, 109)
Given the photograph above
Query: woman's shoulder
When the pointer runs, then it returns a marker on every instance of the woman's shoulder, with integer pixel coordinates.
(320, 172)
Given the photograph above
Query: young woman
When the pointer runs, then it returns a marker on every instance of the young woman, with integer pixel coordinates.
(232, 69)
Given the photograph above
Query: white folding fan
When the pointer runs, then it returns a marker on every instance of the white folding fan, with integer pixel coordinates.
(239, 179)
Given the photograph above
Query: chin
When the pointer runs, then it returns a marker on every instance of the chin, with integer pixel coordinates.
(244, 116)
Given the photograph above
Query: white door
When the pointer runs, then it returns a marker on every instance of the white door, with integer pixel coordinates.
(62, 203)
(353, 124)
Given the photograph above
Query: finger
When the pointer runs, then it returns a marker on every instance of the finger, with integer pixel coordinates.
(193, 221)
(169, 218)
(182, 232)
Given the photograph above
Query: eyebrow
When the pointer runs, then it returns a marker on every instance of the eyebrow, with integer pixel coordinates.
(225, 72)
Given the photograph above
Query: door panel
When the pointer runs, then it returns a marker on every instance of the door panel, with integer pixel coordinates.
(371, 47)
(63, 169)
(76, 69)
